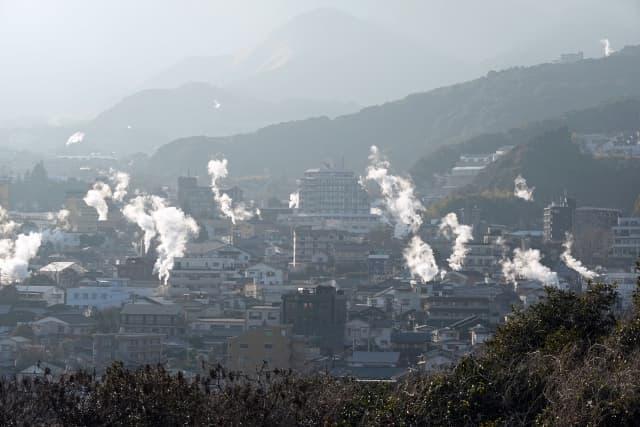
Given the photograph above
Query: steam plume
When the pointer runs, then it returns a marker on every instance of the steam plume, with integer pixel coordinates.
(7, 226)
(526, 264)
(75, 138)
(607, 50)
(121, 183)
(399, 198)
(16, 254)
(61, 219)
(573, 263)
(419, 258)
(96, 198)
(137, 211)
(294, 200)
(174, 230)
(450, 227)
(218, 170)
(169, 224)
(522, 190)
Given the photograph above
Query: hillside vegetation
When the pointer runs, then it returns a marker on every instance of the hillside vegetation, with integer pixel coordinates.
(565, 361)
(623, 115)
(549, 157)
(408, 128)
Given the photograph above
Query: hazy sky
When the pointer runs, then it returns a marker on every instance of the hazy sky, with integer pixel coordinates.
(74, 57)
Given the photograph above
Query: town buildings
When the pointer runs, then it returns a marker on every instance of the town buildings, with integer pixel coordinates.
(558, 220)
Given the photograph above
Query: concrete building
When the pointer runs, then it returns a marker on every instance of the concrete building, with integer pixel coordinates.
(626, 239)
(263, 274)
(105, 293)
(558, 220)
(320, 313)
(195, 200)
(132, 349)
(318, 246)
(271, 347)
(379, 266)
(626, 284)
(331, 191)
(139, 269)
(332, 199)
(82, 218)
(483, 257)
(267, 283)
(262, 315)
(592, 232)
(217, 327)
(205, 267)
(152, 318)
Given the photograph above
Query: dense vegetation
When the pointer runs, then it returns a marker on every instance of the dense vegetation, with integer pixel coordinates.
(565, 361)
(36, 191)
(622, 115)
(408, 128)
(554, 164)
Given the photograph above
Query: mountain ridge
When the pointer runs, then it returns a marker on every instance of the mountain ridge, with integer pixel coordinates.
(413, 126)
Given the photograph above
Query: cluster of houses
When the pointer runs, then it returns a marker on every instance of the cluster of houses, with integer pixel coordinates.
(278, 291)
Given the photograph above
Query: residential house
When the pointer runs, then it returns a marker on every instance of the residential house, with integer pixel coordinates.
(132, 349)
(64, 273)
(148, 318)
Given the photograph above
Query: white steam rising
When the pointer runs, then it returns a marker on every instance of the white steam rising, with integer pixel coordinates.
(573, 263)
(75, 138)
(97, 198)
(98, 195)
(607, 50)
(138, 211)
(294, 200)
(16, 254)
(174, 230)
(7, 226)
(526, 264)
(398, 195)
(218, 170)
(61, 219)
(522, 190)
(120, 181)
(168, 224)
(400, 206)
(463, 234)
(419, 258)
